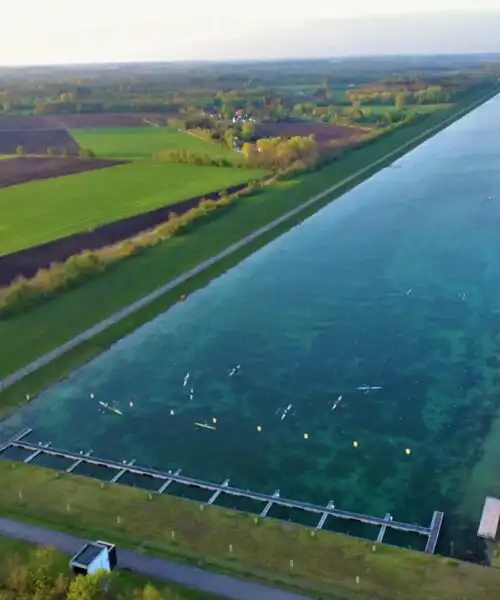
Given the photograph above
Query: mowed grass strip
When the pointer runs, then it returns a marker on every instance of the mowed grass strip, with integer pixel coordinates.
(138, 142)
(379, 109)
(39, 330)
(322, 560)
(41, 211)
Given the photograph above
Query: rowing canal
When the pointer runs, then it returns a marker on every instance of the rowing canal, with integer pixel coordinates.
(395, 285)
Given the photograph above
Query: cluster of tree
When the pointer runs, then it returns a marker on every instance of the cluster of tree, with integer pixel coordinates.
(281, 153)
(40, 578)
(266, 104)
(212, 129)
(191, 121)
(191, 158)
(86, 153)
(356, 114)
(429, 95)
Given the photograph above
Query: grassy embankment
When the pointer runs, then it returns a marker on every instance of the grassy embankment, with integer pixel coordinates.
(124, 583)
(325, 564)
(43, 328)
(141, 142)
(411, 109)
(41, 211)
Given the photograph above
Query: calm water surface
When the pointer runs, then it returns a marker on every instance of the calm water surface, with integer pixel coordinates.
(397, 285)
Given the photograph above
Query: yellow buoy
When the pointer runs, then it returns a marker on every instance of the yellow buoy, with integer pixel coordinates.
(306, 436)
(355, 444)
(408, 451)
(214, 420)
(259, 428)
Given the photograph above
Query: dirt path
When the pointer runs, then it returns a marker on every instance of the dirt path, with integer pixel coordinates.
(150, 566)
(145, 300)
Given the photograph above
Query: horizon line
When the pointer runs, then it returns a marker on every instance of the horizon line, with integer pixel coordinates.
(249, 60)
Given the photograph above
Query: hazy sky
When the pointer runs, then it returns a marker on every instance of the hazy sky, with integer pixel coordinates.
(65, 31)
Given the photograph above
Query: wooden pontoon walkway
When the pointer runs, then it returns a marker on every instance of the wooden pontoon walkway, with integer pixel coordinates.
(165, 479)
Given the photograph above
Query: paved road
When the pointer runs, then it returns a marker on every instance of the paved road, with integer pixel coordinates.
(150, 566)
(131, 308)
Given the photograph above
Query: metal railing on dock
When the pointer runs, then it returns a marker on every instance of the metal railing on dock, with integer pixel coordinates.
(167, 478)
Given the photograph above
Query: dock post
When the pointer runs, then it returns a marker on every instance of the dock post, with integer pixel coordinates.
(434, 530)
(216, 494)
(324, 516)
(122, 472)
(381, 533)
(165, 485)
(36, 453)
(267, 508)
(78, 462)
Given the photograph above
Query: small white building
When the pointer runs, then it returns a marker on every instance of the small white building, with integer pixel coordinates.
(93, 557)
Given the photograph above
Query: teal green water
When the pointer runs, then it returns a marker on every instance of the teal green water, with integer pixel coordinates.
(396, 284)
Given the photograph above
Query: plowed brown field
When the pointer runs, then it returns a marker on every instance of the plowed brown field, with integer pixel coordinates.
(20, 170)
(78, 121)
(36, 141)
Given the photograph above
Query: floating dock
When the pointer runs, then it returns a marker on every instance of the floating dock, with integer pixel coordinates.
(488, 526)
(165, 479)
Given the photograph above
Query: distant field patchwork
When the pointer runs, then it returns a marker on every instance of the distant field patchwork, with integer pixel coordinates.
(41, 211)
(139, 142)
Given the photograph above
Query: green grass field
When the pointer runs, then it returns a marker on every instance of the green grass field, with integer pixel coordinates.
(124, 582)
(40, 211)
(140, 142)
(325, 564)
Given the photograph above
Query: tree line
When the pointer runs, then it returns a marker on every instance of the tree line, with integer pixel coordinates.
(52, 151)
(192, 158)
(282, 153)
(213, 129)
(434, 94)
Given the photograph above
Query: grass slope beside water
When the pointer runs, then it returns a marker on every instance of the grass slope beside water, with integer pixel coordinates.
(43, 328)
(41, 211)
(323, 563)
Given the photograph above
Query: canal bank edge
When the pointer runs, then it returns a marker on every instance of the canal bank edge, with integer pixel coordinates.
(59, 362)
(318, 563)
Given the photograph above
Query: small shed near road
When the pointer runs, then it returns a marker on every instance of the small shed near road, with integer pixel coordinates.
(93, 557)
